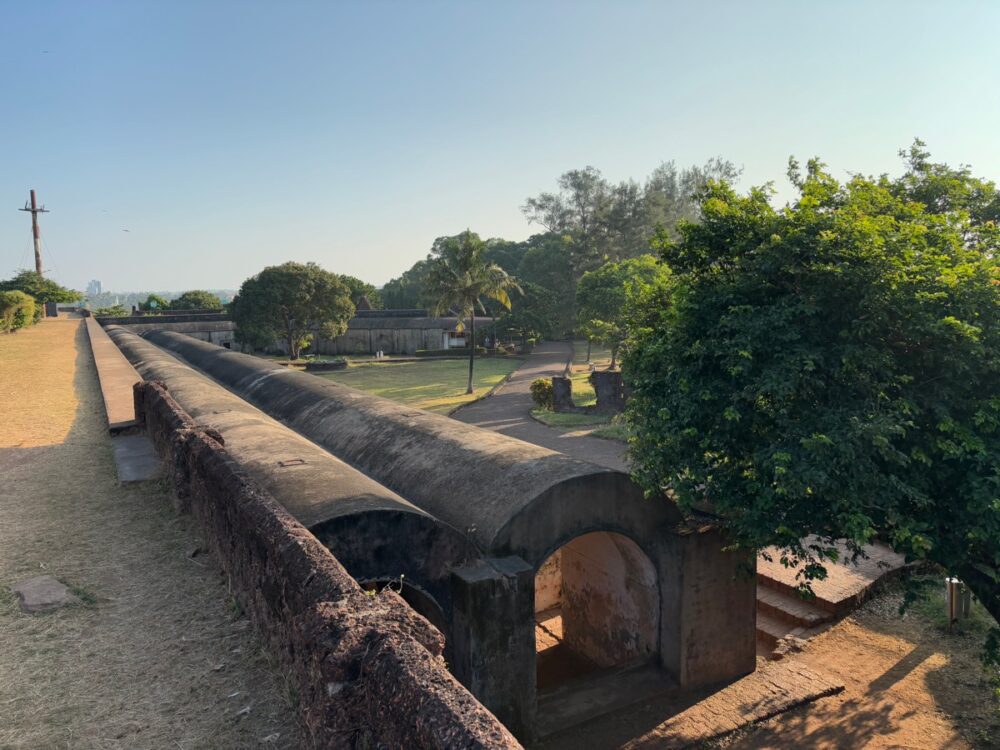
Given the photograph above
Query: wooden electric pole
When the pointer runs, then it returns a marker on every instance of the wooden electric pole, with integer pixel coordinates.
(33, 208)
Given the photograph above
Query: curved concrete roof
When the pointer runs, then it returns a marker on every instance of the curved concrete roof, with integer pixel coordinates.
(373, 531)
(509, 496)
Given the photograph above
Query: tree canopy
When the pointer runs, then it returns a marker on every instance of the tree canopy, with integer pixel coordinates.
(831, 368)
(40, 288)
(292, 303)
(154, 302)
(362, 290)
(460, 277)
(196, 299)
(603, 294)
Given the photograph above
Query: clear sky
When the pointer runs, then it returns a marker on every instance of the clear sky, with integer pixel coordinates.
(226, 136)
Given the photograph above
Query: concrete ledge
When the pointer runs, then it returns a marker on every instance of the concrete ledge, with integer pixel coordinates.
(116, 376)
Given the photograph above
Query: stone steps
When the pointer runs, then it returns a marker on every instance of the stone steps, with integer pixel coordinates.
(771, 629)
(790, 608)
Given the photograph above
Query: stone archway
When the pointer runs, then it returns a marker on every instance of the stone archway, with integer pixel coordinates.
(597, 607)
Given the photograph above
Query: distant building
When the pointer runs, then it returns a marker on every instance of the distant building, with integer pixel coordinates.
(397, 332)
(94, 287)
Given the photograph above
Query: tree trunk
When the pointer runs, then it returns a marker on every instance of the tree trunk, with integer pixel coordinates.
(472, 348)
(614, 357)
(588, 348)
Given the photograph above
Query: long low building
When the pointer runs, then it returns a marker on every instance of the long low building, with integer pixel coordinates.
(398, 332)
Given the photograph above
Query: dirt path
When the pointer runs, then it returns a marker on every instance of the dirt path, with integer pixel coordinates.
(508, 411)
(156, 656)
(907, 685)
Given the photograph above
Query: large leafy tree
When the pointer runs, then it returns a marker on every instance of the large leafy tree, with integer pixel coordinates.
(460, 278)
(533, 313)
(154, 302)
(831, 368)
(407, 290)
(42, 289)
(602, 295)
(362, 290)
(196, 299)
(292, 303)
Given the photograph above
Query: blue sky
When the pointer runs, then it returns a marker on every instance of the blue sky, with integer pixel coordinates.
(226, 136)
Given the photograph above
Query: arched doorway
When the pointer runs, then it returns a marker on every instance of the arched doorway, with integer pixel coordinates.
(597, 607)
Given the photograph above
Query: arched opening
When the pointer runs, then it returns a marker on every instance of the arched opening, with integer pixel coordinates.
(597, 608)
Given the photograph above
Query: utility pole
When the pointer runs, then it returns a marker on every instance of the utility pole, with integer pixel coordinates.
(33, 208)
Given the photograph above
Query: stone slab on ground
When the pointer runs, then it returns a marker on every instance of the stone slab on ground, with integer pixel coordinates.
(846, 582)
(116, 376)
(135, 458)
(42, 594)
(773, 689)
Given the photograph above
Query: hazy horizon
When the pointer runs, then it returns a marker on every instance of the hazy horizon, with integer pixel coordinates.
(228, 136)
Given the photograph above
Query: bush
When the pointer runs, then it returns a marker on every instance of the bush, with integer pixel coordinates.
(541, 393)
(115, 311)
(457, 352)
(17, 310)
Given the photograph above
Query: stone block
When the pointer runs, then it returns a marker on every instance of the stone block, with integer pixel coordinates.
(43, 593)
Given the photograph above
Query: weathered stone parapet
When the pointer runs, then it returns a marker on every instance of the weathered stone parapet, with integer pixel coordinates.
(368, 669)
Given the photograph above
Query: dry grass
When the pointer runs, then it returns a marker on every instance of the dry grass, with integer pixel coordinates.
(156, 656)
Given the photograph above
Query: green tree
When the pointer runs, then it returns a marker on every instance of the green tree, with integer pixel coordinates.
(602, 295)
(831, 368)
(17, 310)
(196, 299)
(362, 290)
(532, 314)
(292, 303)
(40, 289)
(154, 302)
(460, 278)
(406, 292)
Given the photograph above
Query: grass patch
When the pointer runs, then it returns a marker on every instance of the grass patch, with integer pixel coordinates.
(599, 355)
(583, 391)
(614, 431)
(595, 425)
(433, 385)
(87, 598)
(930, 606)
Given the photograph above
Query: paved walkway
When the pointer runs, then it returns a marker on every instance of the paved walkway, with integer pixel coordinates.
(508, 411)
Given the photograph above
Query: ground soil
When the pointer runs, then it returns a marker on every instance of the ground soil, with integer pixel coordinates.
(157, 654)
(908, 684)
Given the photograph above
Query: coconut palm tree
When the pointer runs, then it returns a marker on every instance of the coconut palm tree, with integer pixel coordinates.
(460, 277)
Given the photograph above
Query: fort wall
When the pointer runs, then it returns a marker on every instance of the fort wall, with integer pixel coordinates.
(367, 668)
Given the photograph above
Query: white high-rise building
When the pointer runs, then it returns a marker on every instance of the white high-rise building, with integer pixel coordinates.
(94, 287)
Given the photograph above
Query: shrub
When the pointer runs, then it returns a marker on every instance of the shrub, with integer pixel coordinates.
(17, 310)
(541, 393)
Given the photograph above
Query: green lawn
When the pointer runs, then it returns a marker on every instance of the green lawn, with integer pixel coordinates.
(596, 425)
(599, 354)
(434, 385)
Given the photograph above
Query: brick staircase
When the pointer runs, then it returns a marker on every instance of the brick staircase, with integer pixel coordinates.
(784, 617)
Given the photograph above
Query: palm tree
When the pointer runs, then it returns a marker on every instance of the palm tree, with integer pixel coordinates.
(460, 277)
